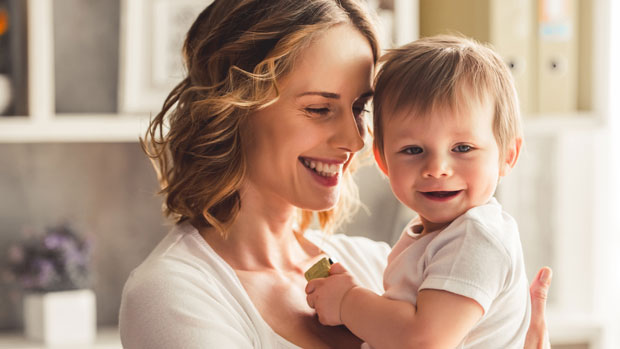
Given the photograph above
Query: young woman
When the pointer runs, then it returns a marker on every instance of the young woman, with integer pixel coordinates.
(256, 141)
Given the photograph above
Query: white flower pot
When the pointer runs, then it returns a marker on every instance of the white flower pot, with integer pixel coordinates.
(67, 317)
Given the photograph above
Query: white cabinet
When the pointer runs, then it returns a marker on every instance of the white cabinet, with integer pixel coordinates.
(43, 123)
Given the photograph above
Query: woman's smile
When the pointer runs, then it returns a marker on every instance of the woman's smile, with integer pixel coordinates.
(326, 172)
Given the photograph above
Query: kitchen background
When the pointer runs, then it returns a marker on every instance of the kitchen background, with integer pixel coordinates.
(80, 78)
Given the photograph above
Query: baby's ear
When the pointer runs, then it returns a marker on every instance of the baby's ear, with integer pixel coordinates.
(511, 156)
(379, 160)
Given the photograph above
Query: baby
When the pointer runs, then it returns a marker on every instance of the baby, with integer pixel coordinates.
(447, 129)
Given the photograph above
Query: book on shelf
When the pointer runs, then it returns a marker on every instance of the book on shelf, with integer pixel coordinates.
(13, 59)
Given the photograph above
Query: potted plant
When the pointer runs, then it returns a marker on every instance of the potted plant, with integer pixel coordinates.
(53, 270)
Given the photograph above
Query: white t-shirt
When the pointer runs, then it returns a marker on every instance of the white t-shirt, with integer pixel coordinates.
(477, 256)
(185, 296)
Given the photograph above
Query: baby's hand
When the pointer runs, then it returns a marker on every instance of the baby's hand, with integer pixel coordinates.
(325, 295)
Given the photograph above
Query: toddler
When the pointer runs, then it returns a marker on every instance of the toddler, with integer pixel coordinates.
(447, 129)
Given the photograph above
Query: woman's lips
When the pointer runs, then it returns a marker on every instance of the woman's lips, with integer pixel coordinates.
(327, 175)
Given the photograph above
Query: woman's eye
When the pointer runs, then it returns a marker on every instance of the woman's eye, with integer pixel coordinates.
(462, 148)
(359, 111)
(412, 150)
(360, 122)
(318, 111)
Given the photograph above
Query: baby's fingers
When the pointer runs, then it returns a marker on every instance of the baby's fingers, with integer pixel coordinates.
(310, 300)
(337, 268)
(313, 285)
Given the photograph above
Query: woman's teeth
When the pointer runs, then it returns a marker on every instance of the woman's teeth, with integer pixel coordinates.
(323, 169)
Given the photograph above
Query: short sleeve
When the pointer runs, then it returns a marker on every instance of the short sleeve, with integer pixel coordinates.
(468, 261)
(155, 315)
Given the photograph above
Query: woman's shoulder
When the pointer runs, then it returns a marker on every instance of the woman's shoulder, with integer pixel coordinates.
(179, 253)
(181, 279)
(182, 259)
(176, 265)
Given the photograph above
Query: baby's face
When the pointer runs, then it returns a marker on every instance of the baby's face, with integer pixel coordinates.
(443, 163)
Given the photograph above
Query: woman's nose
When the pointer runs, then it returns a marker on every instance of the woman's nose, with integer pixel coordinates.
(347, 135)
(437, 166)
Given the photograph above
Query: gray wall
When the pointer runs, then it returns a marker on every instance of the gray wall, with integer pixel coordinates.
(382, 216)
(105, 190)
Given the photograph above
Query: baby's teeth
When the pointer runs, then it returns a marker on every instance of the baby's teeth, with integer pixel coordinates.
(319, 167)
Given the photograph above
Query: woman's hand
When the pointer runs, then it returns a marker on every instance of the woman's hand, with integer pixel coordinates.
(537, 336)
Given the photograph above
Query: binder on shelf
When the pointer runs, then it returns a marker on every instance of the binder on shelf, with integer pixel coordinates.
(505, 24)
(512, 36)
(6, 88)
(13, 71)
(557, 56)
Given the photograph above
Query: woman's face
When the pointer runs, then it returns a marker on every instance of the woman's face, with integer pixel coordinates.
(299, 146)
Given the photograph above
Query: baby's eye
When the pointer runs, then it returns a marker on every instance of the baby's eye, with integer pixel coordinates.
(462, 148)
(415, 150)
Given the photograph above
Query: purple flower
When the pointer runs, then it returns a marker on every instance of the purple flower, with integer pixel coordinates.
(53, 241)
(46, 272)
(54, 261)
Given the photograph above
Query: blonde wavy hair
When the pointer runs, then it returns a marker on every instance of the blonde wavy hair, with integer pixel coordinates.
(235, 53)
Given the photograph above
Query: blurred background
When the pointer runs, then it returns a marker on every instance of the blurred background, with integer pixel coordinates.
(79, 80)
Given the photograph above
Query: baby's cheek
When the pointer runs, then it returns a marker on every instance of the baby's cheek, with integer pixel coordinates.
(406, 197)
(487, 190)
(401, 186)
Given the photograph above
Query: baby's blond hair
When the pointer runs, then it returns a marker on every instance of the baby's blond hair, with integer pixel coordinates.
(446, 71)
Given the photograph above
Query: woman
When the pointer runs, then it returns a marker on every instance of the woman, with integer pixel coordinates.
(262, 136)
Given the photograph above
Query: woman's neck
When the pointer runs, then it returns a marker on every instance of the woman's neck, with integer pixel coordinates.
(262, 237)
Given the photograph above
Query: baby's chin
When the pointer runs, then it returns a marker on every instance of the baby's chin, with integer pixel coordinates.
(436, 224)
(440, 222)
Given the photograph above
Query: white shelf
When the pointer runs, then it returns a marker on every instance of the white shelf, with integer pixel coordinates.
(73, 128)
(44, 124)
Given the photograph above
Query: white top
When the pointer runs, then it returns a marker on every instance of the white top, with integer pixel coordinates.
(477, 256)
(185, 296)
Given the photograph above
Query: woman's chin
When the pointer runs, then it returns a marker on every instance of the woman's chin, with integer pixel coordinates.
(324, 204)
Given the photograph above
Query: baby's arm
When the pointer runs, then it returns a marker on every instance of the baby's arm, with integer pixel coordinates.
(442, 319)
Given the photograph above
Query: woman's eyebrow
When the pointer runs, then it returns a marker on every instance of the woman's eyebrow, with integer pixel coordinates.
(320, 93)
(367, 94)
(331, 94)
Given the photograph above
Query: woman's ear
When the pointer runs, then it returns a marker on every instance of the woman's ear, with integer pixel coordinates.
(511, 156)
(379, 160)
